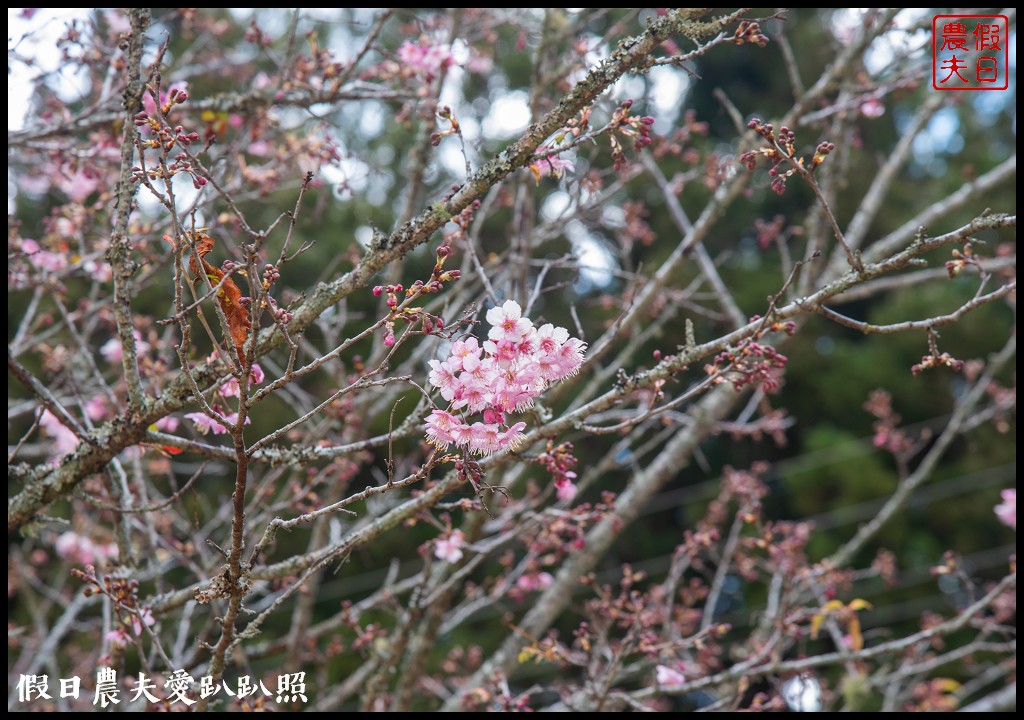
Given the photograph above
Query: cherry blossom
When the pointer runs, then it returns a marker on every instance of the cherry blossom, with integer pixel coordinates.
(503, 374)
(508, 323)
(112, 350)
(449, 548)
(872, 107)
(80, 184)
(1006, 511)
(117, 639)
(424, 57)
(439, 428)
(44, 260)
(149, 105)
(145, 615)
(204, 423)
(230, 388)
(564, 488)
(167, 424)
(96, 408)
(534, 581)
(552, 165)
(81, 550)
(64, 439)
(669, 677)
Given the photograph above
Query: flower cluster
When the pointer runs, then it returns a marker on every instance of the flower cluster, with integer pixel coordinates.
(424, 57)
(551, 165)
(752, 364)
(636, 127)
(961, 260)
(781, 148)
(206, 424)
(749, 32)
(888, 434)
(403, 310)
(43, 260)
(560, 461)
(82, 550)
(932, 361)
(504, 374)
(124, 594)
(231, 388)
(445, 113)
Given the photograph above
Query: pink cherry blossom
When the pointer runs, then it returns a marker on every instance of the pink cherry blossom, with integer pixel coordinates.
(424, 57)
(872, 107)
(554, 165)
(466, 354)
(167, 424)
(551, 338)
(511, 438)
(81, 550)
(112, 350)
(571, 356)
(145, 615)
(564, 489)
(96, 408)
(485, 438)
(149, 105)
(64, 439)
(1006, 511)
(529, 582)
(440, 425)
(117, 639)
(44, 260)
(475, 397)
(231, 389)
(205, 423)
(503, 374)
(449, 548)
(463, 434)
(508, 323)
(503, 352)
(669, 677)
(443, 377)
